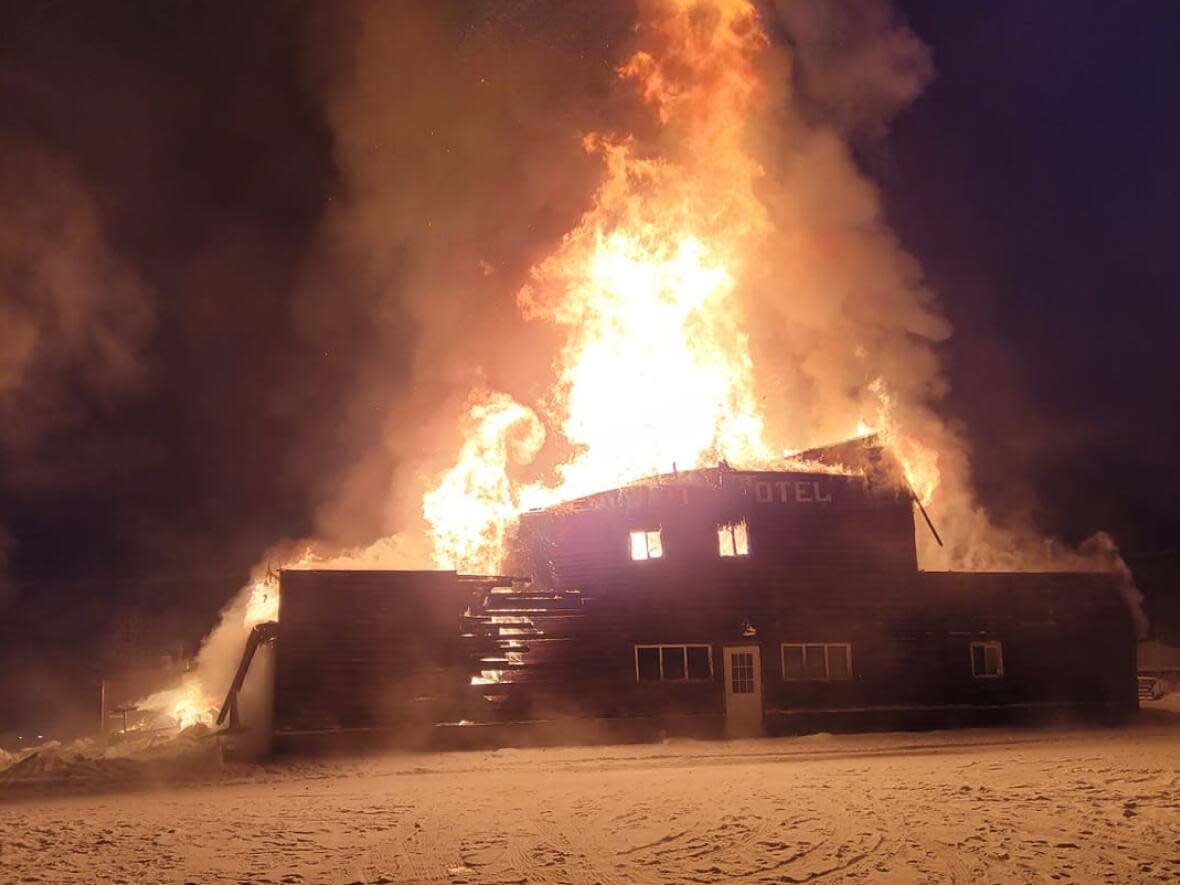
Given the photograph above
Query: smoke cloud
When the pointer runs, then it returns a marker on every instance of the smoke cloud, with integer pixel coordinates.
(457, 137)
(854, 66)
(73, 316)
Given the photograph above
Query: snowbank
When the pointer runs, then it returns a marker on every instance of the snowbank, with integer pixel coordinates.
(138, 760)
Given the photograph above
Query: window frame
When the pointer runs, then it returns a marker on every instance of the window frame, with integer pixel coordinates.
(685, 646)
(731, 528)
(985, 644)
(741, 681)
(658, 531)
(827, 677)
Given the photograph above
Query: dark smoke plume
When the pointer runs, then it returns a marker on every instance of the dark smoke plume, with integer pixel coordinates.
(73, 316)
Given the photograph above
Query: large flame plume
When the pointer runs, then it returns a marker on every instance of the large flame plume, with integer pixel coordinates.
(655, 371)
(655, 368)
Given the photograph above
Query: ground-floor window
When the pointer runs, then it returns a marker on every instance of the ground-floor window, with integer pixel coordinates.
(654, 663)
(817, 660)
(987, 659)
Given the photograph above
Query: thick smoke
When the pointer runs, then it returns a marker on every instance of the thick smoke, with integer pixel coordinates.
(73, 317)
(854, 67)
(458, 141)
(844, 311)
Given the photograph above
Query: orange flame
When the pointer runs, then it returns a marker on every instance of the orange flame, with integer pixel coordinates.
(263, 602)
(919, 462)
(191, 701)
(655, 370)
(473, 506)
(192, 706)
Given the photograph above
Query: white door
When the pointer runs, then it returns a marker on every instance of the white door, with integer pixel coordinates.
(743, 691)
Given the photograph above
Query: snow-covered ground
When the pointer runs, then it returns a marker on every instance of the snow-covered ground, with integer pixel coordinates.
(1087, 805)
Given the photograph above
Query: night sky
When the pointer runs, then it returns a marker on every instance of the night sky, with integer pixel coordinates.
(1035, 178)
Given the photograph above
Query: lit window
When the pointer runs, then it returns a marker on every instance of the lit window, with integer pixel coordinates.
(987, 659)
(817, 661)
(646, 545)
(673, 663)
(732, 539)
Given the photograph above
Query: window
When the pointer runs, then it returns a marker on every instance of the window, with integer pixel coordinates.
(647, 663)
(646, 545)
(819, 661)
(742, 672)
(732, 539)
(700, 662)
(673, 663)
(987, 659)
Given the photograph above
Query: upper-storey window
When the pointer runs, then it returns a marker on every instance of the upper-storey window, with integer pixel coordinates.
(646, 544)
(987, 659)
(732, 539)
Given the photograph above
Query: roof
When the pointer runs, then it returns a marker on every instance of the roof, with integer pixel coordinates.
(861, 463)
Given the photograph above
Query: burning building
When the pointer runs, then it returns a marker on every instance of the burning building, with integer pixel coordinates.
(650, 553)
(708, 602)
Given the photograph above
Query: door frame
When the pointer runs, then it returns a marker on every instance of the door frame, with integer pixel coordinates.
(744, 711)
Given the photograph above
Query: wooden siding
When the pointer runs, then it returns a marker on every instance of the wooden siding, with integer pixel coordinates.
(831, 559)
(824, 525)
(1068, 640)
(365, 649)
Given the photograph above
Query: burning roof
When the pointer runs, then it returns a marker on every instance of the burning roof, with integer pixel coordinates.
(863, 459)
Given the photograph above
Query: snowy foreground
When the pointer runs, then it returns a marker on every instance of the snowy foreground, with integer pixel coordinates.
(1087, 805)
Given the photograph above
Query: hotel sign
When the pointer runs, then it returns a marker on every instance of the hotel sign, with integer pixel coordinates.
(792, 491)
(779, 490)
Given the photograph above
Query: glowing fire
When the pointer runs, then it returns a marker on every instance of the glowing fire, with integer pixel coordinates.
(918, 462)
(655, 370)
(192, 706)
(191, 701)
(262, 604)
(186, 704)
(472, 507)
